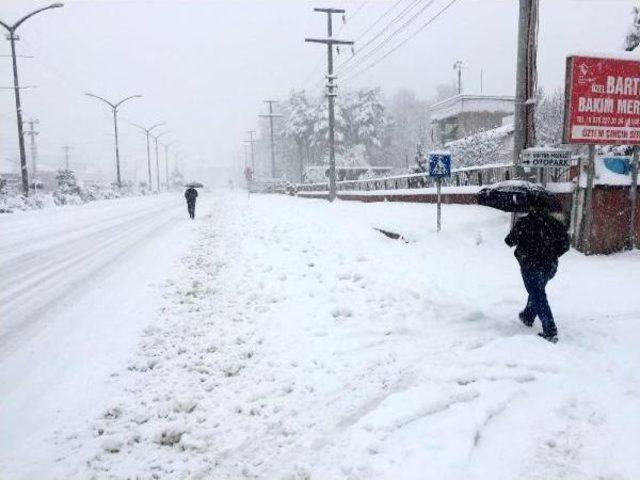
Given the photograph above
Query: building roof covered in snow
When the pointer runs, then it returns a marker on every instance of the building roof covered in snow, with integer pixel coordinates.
(464, 102)
(498, 133)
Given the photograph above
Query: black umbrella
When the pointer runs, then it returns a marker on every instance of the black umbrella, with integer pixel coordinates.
(194, 185)
(518, 196)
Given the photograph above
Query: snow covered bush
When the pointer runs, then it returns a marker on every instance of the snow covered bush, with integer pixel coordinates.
(100, 191)
(17, 202)
(478, 149)
(68, 191)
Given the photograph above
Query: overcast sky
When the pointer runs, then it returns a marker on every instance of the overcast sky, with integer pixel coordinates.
(204, 66)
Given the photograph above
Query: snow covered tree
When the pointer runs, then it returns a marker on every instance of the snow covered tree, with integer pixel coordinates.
(366, 122)
(407, 127)
(549, 118)
(632, 40)
(298, 125)
(320, 135)
(68, 191)
(478, 149)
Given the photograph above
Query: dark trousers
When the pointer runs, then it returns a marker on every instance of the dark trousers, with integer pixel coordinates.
(191, 207)
(535, 282)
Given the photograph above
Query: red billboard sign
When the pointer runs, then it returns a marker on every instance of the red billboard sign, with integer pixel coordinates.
(602, 101)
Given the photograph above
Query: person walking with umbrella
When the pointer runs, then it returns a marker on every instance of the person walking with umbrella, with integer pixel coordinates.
(539, 239)
(190, 195)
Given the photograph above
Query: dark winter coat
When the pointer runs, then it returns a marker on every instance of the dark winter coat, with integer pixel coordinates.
(191, 195)
(539, 240)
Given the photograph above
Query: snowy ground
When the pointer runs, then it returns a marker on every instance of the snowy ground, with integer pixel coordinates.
(76, 289)
(297, 342)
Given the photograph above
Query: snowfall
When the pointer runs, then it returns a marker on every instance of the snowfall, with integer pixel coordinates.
(277, 337)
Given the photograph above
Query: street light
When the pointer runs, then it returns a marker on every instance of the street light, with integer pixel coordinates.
(12, 37)
(147, 131)
(155, 138)
(114, 108)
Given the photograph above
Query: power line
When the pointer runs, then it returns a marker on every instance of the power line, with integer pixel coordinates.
(367, 30)
(320, 62)
(422, 27)
(387, 39)
(390, 24)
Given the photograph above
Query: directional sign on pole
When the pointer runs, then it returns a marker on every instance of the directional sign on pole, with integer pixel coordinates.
(546, 157)
(439, 164)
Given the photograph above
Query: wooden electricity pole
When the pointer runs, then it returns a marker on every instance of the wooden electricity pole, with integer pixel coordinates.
(251, 141)
(66, 149)
(331, 91)
(271, 116)
(32, 133)
(526, 80)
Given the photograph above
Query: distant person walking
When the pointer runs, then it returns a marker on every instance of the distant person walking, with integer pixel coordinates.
(540, 240)
(191, 194)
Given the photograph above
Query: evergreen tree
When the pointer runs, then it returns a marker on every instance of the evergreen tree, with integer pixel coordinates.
(632, 40)
(549, 118)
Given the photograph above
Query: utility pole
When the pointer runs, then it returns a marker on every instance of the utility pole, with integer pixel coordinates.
(526, 79)
(114, 108)
(458, 66)
(156, 138)
(147, 132)
(66, 149)
(166, 162)
(252, 141)
(271, 116)
(12, 37)
(331, 90)
(34, 148)
(246, 155)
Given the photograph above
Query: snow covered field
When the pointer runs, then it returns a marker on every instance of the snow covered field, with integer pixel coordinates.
(295, 341)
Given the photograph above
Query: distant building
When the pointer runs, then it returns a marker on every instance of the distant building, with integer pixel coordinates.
(465, 114)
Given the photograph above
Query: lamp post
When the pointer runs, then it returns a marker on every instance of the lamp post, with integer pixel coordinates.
(147, 132)
(12, 37)
(114, 108)
(156, 138)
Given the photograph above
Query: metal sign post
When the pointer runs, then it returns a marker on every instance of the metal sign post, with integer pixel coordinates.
(439, 167)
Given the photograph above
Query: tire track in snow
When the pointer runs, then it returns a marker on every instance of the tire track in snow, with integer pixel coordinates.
(31, 287)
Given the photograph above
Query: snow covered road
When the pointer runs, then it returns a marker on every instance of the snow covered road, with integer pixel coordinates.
(299, 343)
(48, 255)
(75, 289)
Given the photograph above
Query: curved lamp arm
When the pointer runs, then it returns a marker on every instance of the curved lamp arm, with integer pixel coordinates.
(156, 126)
(125, 99)
(100, 98)
(156, 137)
(28, 16)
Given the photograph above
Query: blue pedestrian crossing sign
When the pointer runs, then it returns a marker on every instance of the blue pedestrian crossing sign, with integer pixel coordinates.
(439, 164)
